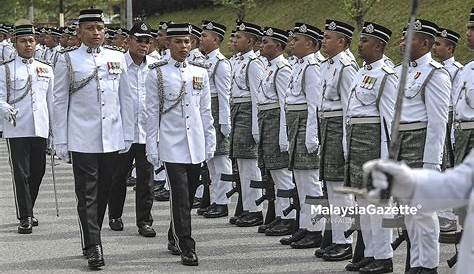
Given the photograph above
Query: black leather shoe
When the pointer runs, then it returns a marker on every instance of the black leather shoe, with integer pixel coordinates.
(282, 228)
(378, 267)
(162, 195)
(250, 219)
(116, 224)
(85, 253)
(216, 211)
(34, 221)
(233, 219)
(319, 253)
(25, 226)
(340, 252)
(311, 239)
(201, 211)
(362, 263)
(263, 228)
(298, 235)
(447, 225)
(131, 181)
(196, 203)
(96, 257)
(146, 231)
(173, 249)
(422, 270)
(189, 258)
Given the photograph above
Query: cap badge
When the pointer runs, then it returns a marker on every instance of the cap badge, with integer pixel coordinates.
(242, 26)
(369, 28)
(144, 27)
(417, 25)
(269, 32)
(303, 28)
(332, 25)
(164, 26)
(209, 25)
(444, 33)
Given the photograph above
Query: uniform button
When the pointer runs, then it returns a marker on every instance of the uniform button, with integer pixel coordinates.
(103, 103)
(187, 117)
(102, 91)
(187, 105)
(100, 78)
(103, 117)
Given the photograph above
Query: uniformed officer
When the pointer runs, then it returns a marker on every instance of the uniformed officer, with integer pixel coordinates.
(26, 88)
(119, 40)
(273, 146)
(39, 50)
(443, 49)
(337, 73)
(369, 116)
(93, 119)
(162, 41)
(422, 135)
(247, 73)
(179, 131)
(64, 37)
(289, 49)
(74, 40)
(220, 80)
(233, 59)
(52, 48)
(137, 67)
(153, 52)
(195, 54)
(6, 49)
(303, 99)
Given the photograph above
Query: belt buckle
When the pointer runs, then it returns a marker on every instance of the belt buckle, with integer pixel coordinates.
(348, 121)
(457, 125)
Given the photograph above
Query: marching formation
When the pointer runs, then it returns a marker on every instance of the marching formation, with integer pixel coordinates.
(290, 118)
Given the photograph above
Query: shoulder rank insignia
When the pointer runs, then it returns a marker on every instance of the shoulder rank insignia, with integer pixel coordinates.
(345, 61)
(388, 69)
(436, 64)
(457, 64)
(114, 48)
(43, 62)
(198, 64)
(220, 56)
(282, 64)
(158, 64)
(7, 61)
(68, 49)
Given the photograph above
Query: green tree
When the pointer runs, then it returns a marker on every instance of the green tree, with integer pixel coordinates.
(239, 6)
(357, 9)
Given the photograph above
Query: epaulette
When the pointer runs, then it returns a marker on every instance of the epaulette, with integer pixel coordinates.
(114, 48)
(457, 64)
(312, 62)
(220, 56)
(8, 61)
(282, 64)
(388, 69)
(197, 64)
(436, 64)
(68, 49)
(43, 62)
(345, 61)
(158, 64)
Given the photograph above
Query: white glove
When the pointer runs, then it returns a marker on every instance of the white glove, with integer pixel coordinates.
(256, 138)
(10, 114)
(432, 166)
(403, 181)
(62, 152)
(283, 147)
(225, 129)
(312, 147)
(209, 155)
(128, 145)
(154, 159)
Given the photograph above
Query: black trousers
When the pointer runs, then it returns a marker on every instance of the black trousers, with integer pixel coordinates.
(93, 174)
(183, 180)
(28, 164)
(144, 187)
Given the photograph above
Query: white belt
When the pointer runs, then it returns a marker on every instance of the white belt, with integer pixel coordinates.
(268, 106)
(329, 114)
(464, 125)
(237, 100)
(213, 95)
(297, 107)
(412, 126)
(362, 120)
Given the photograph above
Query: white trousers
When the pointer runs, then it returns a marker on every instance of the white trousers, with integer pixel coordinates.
(377, 239)
(307, 183)
(423, 231)
(248, 170)
(339, 224)
(283, 179)
(218, 165)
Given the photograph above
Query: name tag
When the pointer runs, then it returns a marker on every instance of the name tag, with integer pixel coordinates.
(114, 67)
(198, 82)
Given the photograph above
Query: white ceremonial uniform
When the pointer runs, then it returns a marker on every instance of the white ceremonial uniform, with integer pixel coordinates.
(185, 133)
(98, 117)
(463, 94)
(426, 101)
(39, 52)
(247, 73)
(272, 90)
(165, 54)
(373, 94)
(337, 74)
(220, 79)
(319, 57)
(31, 87)
(50, 54)
(451, 189)
(195, 56)
(305, 88)
(155, 54)
(7, 51)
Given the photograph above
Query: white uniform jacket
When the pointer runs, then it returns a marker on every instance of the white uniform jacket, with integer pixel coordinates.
(220, 79)
(247, 74)
(94, 116)
(137, 75)
(427, 100)
(183, 132)
(463, 95)
(304, 88)
(30, 92)
(7, 52)
(272, 89)
(373, 93)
